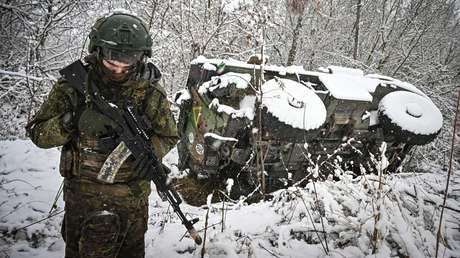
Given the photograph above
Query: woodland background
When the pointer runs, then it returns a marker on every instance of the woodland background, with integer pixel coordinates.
(412, 40)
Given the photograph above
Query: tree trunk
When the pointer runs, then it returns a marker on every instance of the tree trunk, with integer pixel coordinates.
(293, 50)
(358, 17)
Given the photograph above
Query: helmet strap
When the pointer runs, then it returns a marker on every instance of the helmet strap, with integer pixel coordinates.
(92, 59)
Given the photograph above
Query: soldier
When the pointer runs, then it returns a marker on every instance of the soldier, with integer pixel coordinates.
(105, 220)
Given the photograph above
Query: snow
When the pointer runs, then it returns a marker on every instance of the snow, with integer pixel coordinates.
(120, 11)
(237, 63)
(229, 185)
(229, 6)
(246, 107)
(395, 82)
(29, 182)
(220, 138)
(349, 86)
(414, 109)
(412, 112)
(113, 105)
(240, 80)
(293, 104)
(374, 117)
(344, 70)
(223, 108)
(285, 226)
(209, 67)
(109, 42)
(342, 82)
(19, 74)
(182, 95)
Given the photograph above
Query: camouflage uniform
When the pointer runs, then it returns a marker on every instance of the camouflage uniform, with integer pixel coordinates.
(100, 219)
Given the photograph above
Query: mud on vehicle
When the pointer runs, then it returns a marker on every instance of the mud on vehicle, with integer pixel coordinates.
(297, 120)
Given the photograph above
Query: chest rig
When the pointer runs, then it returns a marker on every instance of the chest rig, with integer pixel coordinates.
(96, 138)
(86, 153)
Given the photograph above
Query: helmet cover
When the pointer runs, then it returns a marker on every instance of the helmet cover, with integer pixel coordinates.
(124, 34)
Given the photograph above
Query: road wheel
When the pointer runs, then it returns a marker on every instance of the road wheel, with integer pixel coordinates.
(409, 117)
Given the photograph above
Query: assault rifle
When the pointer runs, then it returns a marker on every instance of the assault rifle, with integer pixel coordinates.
(133, 140)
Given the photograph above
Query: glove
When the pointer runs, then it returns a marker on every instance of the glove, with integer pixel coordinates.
(142, 166)
(93, 123)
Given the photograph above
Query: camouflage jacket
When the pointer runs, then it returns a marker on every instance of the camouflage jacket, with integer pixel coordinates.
(82, 154)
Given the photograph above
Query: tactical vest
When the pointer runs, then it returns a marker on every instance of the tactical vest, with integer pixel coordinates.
(84, 156)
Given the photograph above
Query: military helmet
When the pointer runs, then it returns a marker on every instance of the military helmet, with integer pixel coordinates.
(120, 32)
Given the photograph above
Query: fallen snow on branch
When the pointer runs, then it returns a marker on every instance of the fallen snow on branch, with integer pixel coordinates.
(220, 138)
(23, 75)
(246, 107)
(240, 80)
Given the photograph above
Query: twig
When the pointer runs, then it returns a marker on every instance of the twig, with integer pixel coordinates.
(438, 237)
(19, 180)
(270, 252)
(379, 196)
(432, 202)
(293, 211)
(312, 222)
(320, 216)
(203, 250)
(48, 217)
(210, 226)
(261, 82)
(223, 214)
(58, 194)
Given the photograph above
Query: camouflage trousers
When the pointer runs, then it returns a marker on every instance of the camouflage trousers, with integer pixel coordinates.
(104, 220)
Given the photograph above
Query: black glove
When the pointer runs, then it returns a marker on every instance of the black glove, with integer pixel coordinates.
(141, 167)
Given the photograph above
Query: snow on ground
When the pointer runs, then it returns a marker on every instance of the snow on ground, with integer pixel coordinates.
(289, 225)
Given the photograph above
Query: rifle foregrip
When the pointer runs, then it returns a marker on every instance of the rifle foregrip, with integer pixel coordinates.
(195, 236)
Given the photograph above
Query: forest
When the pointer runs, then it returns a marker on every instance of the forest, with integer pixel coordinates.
(415, 41)
(411, 40)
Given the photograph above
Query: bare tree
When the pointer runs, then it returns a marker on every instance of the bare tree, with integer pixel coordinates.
(412, 40)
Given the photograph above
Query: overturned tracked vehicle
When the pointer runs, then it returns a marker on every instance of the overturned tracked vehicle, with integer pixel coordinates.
(294, 123)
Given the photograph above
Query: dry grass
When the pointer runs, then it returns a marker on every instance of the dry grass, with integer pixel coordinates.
(195, 191)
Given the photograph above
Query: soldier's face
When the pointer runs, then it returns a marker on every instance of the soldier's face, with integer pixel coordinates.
(116, 66)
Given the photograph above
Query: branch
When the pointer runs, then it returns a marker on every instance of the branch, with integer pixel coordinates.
(448, 176)
(432, 202)
(22, 75)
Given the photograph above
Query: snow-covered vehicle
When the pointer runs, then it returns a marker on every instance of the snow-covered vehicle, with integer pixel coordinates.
(295, 121)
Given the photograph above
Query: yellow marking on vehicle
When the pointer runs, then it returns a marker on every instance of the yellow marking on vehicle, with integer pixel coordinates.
(196, 114)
